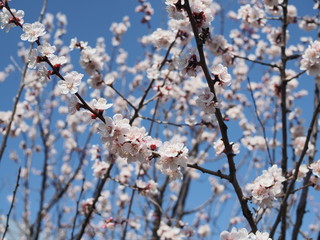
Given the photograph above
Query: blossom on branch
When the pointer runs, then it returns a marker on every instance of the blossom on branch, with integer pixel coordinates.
(221, 75)
(252, 16)
(243, 234)
(7, 21)
(311, 59)
(101, 104)
(71, 82)
(172, 155)
(267, 187)
(315, 167)
(32, 31)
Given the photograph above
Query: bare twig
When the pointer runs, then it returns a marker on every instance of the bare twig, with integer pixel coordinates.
(257, 61)
(260, 122)
(12, 204)
(77, 212)
(210, 172)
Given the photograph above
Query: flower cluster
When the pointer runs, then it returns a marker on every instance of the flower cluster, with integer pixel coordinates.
(299, 143)
(172, 156)
(242, 234)
(7, 21)
(162, 38)
(311, 59)
(133, 144)
(206, 102)
(252, 16)
(267, 187)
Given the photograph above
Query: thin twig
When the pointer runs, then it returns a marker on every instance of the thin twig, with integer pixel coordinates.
(12, 204)
(210, 172)
(260, 122)
(77, 207)
(257, 61)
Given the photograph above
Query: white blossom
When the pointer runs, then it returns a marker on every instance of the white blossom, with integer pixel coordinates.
(71, 82)
(32, 31)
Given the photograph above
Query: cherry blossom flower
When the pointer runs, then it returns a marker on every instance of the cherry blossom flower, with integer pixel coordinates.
(259, 236)
(299, 143)
(205, 101)
(32, 31)
(86, 206)
(255, 142)
(172, 155)
(275, 37)
(307, 23)
(101, 104)
(149, 188)
(315, 167)
(219, 147)
(217, 45)
(303, 170)
(43, 74)
(57, 61)
(91, 61)
(6, 19)
(204, 230)
(33, 59)
(162, 38)
(267, 187)
(169, 232)
(100, 168)
(73, 105)
(222, 75)
(311, 59)
(71, 82)
(181, 61)
(74, 43)
(174, 11)
(242, 234)
(46, 49)
(252, 16)
(316, 181)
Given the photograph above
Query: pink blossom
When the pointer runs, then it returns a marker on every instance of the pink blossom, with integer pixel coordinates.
(222, 75)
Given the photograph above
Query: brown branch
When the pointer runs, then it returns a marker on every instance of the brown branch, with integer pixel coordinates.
(210, 172)
(295, 175)
(223, 128)
(301, 209)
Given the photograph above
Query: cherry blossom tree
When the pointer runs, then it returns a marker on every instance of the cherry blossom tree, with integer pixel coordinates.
(206, 135)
